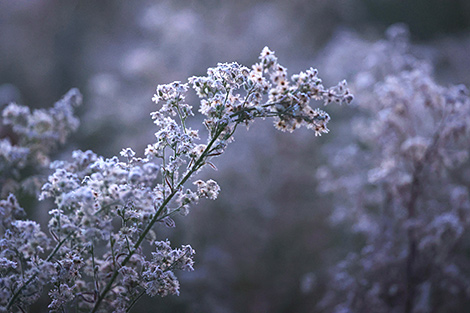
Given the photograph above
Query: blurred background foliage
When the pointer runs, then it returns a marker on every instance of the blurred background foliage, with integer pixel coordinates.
(265, 244)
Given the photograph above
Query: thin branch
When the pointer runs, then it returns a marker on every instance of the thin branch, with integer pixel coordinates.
(51, 255)
(155, 218)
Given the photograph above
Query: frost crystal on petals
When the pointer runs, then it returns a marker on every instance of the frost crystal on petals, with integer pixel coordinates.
(128, 153)
(209, 189)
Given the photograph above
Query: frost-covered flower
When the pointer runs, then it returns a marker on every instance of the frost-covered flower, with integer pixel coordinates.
(209, 189)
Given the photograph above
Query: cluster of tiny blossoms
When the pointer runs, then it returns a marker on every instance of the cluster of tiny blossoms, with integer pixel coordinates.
(106, 211)
(398, 185)
(287, 101)
(30, 137)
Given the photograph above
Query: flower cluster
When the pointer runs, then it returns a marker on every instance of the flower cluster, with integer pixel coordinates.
(106, 210)
(288, 102)
(31, 136)
(158, 273)
(397, 185)
(21, 249)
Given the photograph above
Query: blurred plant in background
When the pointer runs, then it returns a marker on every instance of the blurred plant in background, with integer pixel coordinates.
(28, 140)
(399, 184)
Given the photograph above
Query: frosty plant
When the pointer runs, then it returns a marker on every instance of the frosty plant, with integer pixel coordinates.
(106, 210)
(28, 137)
(400, 184)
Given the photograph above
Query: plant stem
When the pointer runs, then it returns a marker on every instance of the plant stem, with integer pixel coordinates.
(155, 218)
(135, 301)
(410, 260)
(411, 208)
(51, 255)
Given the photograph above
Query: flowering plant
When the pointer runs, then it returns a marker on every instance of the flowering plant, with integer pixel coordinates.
(397, 184)
(29, 138)
(106, 210)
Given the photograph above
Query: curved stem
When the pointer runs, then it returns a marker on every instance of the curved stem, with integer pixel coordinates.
(182, 118)
(135, 300)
